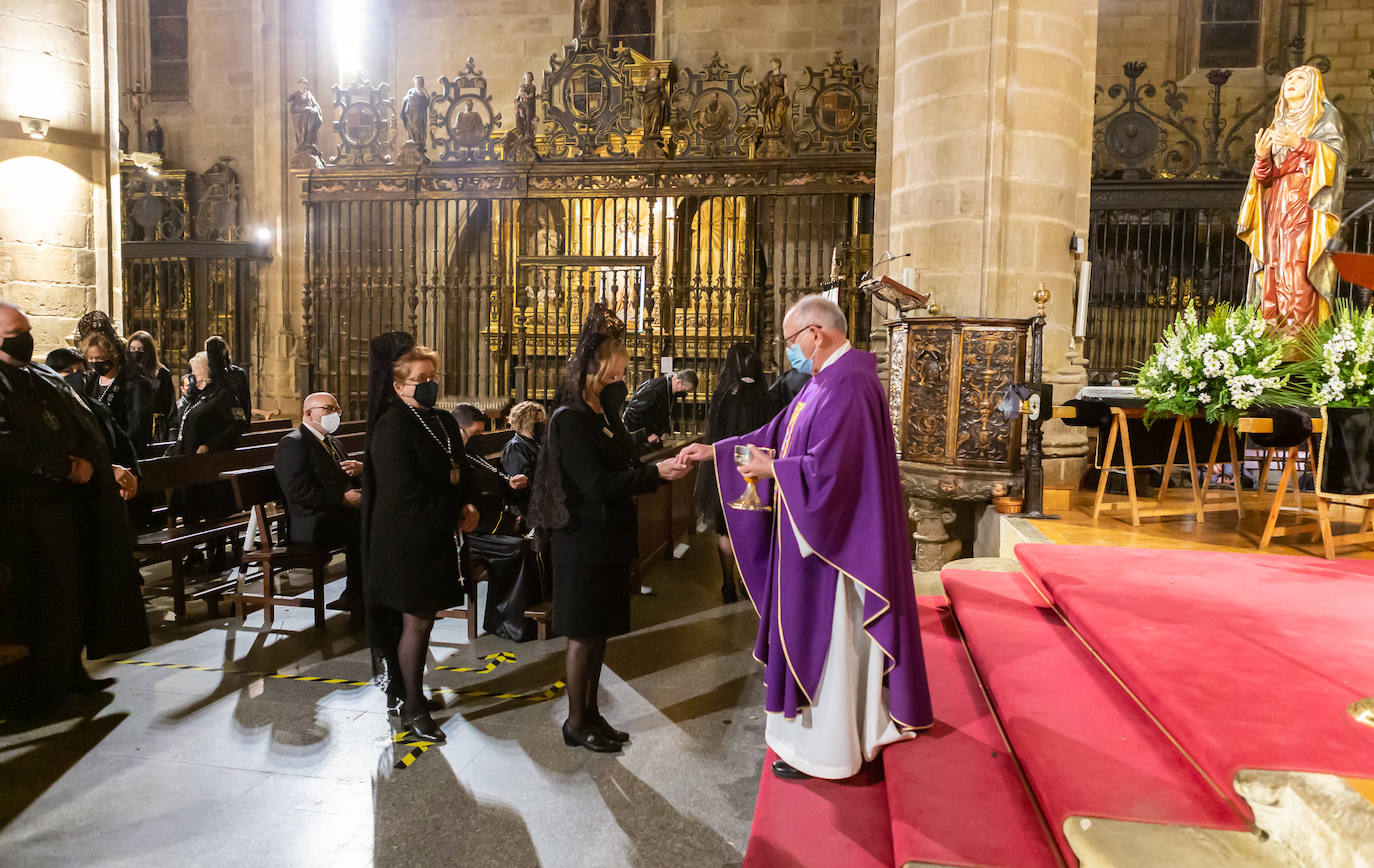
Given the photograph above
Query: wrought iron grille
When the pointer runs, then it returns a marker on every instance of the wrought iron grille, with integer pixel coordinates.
(183, 292)
(500, 286)
(1156, 247)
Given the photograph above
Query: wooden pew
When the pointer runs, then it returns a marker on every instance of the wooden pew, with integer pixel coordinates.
(282, 424)
(175, 541)
(256, 491)
(666, 515)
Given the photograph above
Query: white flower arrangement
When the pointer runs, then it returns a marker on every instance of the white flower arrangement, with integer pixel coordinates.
(1224, 365)
(1340, 369)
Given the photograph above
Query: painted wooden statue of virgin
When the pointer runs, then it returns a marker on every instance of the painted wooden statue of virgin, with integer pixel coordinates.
(1292, 205)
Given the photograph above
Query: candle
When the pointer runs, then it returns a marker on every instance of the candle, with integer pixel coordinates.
(1080, 325)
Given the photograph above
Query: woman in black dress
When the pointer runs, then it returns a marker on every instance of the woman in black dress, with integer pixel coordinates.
(591, 472)
(143, 355)
(521, 452)
(740, 404)
(213, 423)
(415, 498)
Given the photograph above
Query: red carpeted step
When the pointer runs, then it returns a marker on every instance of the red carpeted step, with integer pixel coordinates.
(1087, 749)
(801, 824)
(954, 792)
(1248, 660)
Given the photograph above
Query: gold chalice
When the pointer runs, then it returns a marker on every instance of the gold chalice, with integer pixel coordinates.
(749, 501)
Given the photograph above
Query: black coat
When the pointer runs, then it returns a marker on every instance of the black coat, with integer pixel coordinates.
(214, 420)
(238, 382)
(650, 411)
(130, 399)
(111, 605)
(601, 475)
(164, 401)
(788, 386)
(313, 483)
(412, 511)
(519, 457)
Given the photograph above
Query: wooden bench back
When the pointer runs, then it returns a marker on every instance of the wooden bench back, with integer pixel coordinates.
(282, 424)
(174, 471)
(257, 438)
(490, 443)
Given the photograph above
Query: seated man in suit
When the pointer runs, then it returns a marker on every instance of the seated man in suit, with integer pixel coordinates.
(649, 414)
(323, 490)
(501, 541)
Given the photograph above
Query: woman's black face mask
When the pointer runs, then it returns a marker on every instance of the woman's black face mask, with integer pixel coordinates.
(537, 432)
(614, 394)
(101, 367)
(427, 394)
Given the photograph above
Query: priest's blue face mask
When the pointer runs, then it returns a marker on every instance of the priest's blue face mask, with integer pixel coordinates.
(796, 357)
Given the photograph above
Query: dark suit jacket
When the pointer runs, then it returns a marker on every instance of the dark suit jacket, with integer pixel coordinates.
(312, 481)
(650, 411)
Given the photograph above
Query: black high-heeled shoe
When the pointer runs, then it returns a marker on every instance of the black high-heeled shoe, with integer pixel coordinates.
(395, 703)
(591, 738)
(611, 732)
(728, 594)
(422, 726)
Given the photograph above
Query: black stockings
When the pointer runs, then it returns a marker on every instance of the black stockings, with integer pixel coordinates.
(412, 650)
(584, 660)
(726, 551)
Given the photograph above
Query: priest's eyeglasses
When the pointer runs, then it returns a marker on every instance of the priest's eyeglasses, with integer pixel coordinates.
(788, 340)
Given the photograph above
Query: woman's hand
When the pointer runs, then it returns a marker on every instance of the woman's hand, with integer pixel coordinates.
(1263, 142)
(469, 518)
(670, 469)
(519, 481)
(202, 449)
(695, 453)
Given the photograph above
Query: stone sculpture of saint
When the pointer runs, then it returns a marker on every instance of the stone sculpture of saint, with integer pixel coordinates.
(415, 114)
(654, 104)
(775, 101)
(468, 128)
(306, 116)
(525, 98)
(155, 140)
(588, 19)
(1292, 204)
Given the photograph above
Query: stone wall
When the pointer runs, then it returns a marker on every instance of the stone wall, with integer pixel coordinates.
(1163, 34)
(798, 32)
(56, 254)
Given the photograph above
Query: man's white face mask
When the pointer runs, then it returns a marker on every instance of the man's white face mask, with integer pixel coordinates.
(330, 422)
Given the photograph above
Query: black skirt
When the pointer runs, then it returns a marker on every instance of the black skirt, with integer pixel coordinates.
(590, 601)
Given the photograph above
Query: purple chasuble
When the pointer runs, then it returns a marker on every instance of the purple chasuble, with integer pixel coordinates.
(836, 481)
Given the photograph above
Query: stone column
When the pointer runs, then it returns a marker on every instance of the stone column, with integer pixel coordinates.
(990, 139)
(984, 158)
(59, 232)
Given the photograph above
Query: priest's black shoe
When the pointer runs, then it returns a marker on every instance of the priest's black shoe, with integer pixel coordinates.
(788, 773)
(591, 738)
(422, 726)
(611, 732)
(86, 684)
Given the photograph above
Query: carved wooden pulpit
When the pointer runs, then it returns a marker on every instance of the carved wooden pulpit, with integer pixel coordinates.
(946, 377)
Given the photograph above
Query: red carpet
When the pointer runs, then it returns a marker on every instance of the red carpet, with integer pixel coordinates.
(799, 824)
(953, 792)
(1248, 660)
(1086, 748)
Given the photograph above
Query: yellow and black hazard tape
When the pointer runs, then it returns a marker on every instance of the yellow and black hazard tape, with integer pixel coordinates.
(417, 749)
(531, 696)
(492, 661)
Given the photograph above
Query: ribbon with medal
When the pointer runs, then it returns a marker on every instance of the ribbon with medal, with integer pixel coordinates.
(455, 474)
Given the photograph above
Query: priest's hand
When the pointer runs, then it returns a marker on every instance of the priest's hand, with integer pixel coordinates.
(760, 465)
(695, 453)
(469, 520)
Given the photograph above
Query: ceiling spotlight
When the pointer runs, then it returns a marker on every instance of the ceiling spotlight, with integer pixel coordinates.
(34, 128)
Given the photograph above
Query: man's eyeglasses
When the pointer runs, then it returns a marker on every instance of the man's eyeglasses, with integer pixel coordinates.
(787, 341)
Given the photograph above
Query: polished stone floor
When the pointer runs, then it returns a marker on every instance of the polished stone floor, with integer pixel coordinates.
(184, 767)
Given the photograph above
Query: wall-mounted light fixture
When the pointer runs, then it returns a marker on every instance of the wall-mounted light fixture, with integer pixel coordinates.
(34, 128)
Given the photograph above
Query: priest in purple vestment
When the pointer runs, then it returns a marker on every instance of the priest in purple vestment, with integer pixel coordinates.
(829, 567)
